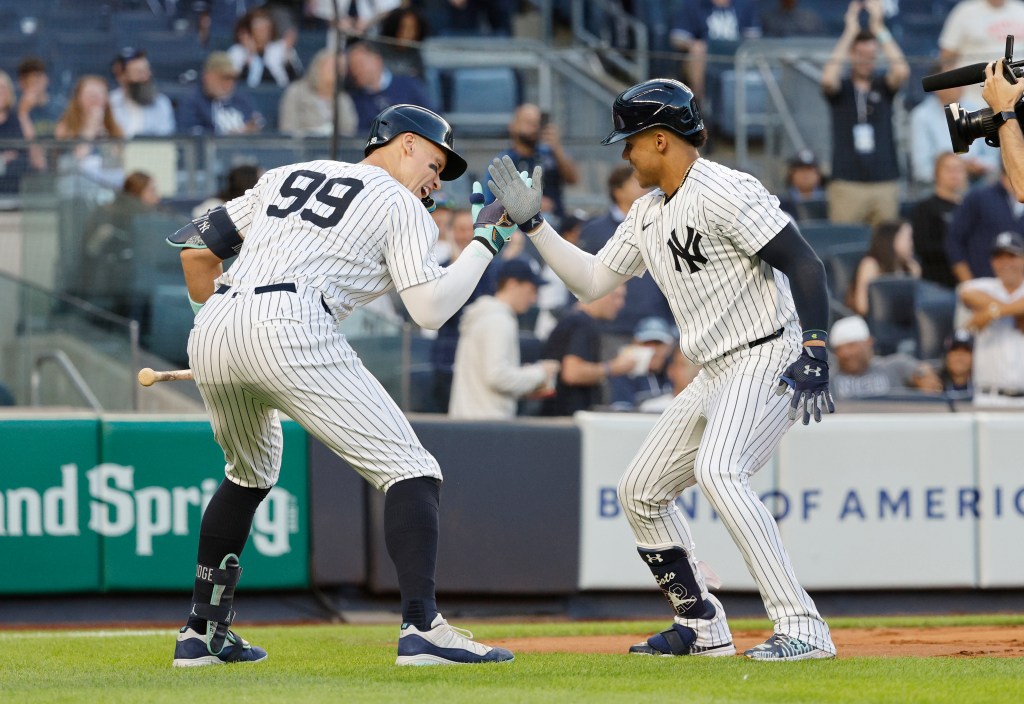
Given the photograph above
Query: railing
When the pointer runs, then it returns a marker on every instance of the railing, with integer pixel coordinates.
(70, 371)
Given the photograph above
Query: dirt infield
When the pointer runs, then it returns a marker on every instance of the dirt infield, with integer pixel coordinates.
(959, 641)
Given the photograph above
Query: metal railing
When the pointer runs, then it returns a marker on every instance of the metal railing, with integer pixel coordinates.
(70, 371)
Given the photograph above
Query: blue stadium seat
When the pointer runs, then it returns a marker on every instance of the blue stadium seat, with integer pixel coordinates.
(16, 46)
(83, 53)
(757, 102)
(840, 267)
(891, 317)
(824, 236)
(934, 319)
(491, 91)
(268, 103)
(170, 322)
(130, 26)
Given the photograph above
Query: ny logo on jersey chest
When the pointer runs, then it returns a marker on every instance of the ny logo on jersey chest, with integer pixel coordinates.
(688, 252)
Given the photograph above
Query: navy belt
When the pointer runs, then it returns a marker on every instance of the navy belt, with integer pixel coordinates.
(289, 287)
(1009, 393)
(224, 288)
(767, 338)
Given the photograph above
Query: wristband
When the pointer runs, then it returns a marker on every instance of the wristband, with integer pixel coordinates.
(815, 336)
(492, 246)
(195, 306)
(532, 224)
(884, 36)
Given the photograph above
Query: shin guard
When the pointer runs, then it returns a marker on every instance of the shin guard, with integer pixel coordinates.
(673, 572)
(218, 613)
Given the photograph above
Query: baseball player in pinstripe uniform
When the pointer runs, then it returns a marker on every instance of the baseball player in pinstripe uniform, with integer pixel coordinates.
(740, 281)
(314, 241)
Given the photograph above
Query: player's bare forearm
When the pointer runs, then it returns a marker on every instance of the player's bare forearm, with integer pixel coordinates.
(1012, 140)
(201, 267)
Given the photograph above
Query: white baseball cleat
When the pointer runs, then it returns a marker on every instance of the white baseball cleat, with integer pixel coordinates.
(444, 644)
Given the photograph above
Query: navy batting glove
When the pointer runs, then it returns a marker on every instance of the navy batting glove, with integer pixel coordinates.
(808, 378)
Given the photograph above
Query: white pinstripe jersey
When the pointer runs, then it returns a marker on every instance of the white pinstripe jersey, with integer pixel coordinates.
(349, 230)
(701, 248)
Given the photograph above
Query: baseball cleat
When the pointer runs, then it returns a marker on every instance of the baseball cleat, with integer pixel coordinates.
(444, 644)
(680, 640)
(783, 648)
(191, 650)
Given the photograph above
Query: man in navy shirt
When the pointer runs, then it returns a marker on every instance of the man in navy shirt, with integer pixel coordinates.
(865, 174)
(217, 107)
(701, 21)
(536, 141)
(984, 213)
(374, 87)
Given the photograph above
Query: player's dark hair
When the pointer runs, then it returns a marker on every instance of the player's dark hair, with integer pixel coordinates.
(864, 35)
(618, 176)
(30, 65)
(698, 139)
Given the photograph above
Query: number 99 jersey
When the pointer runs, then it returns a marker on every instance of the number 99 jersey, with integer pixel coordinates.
(349, 230)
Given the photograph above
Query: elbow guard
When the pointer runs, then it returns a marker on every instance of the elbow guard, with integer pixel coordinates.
(214, 231)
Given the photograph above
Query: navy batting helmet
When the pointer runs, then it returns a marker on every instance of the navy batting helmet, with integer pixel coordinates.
(660, 101)
(398, 119)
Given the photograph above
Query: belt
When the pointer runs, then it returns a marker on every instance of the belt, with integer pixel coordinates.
(224, 288)
(767, 338)
(1010, 393)
(289, 287)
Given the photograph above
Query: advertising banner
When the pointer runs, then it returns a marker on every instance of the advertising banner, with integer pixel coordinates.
(156, 477)
(1000, 500)
(45, 541)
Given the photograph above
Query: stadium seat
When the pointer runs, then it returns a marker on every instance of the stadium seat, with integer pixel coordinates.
(484, 97)
(268, 101)
(891, 317)
(83, 53)
(840, 267)
(16, 46)
(757, 102)
(171, 54)
(934, 318)
(824, 236)
(170, 322)
(154, 263)
(130, 26)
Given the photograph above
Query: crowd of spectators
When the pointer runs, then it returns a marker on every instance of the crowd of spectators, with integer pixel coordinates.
(962, 205)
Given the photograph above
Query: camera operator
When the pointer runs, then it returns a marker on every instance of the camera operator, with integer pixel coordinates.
(1002, 96)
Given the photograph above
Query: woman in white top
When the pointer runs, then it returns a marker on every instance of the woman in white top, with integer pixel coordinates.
(259, 55)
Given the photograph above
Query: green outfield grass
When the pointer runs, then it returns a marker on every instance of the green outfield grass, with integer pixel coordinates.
(355, 664)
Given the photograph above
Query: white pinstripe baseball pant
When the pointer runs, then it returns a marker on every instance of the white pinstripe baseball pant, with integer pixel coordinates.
(717, 433)
(252, 353)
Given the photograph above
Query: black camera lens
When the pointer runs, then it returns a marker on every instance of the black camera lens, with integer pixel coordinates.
(965, 127)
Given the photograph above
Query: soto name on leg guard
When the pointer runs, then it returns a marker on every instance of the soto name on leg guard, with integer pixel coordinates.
(673, 572)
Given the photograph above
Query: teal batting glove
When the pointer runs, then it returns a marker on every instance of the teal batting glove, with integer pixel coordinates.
(491, 224)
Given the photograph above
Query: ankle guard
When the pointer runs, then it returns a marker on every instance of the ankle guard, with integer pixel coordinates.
(218, 613)
(674, 574)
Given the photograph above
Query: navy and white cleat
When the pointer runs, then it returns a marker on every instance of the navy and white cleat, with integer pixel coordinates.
(678, 640)
(783, 648)
(444, 644)
(191, 650)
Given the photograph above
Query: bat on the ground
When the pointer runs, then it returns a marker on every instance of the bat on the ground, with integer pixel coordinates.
(148, 377)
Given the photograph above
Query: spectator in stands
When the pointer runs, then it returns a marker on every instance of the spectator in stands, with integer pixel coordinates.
(996, 308)
(931, 216)
(306, 104)
(858, 373)
(403, 30)
(14, 162)
(442, 216)
(38, 111)
(891, 251)
(259, 55)
(442, 353)
(90, 119)
(929, 137)
(701, 21)
(239, 180)
(375, 87)
(787, 19)
(975, 32)
(576, 343)
(217, 107)
(864, 184)
(139, 108)
(356, 17)
(985, 212)
(464, 17)
(643, 297)
(804, 198)
(680, 372)
(108, 246)
(623, 190)
(536, 140)
(957, 362)
(488, 377)
(554, 296)
(651, 346)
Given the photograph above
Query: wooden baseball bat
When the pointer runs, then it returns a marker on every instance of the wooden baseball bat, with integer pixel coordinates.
(148, 377)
